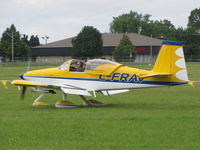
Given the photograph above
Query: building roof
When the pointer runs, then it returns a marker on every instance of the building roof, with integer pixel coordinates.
(109, 40)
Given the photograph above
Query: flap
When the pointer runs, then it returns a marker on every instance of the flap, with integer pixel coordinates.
(76, 91)
(112, 92)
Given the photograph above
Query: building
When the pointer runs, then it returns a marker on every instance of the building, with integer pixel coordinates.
(147, 48)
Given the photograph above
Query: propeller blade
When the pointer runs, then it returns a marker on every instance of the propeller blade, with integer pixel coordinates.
(23, 92)
(19, 88)
(28, 66)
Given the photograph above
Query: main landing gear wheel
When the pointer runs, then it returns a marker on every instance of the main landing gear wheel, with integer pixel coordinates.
(93, 103)
(39, 103)
(65, 104)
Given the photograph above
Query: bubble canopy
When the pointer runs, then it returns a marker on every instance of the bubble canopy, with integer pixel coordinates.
(91, 64)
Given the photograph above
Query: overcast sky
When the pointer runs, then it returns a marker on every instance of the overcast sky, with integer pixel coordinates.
(61, 19)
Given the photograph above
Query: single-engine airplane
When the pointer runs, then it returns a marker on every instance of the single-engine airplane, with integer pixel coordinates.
(106, 77)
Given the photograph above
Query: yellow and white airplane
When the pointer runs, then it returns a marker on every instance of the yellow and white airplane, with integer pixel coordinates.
(106, 77)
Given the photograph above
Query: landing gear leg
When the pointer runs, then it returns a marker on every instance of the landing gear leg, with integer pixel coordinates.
(37, 101)
(91, 102)
(64, 96)
(64, 103)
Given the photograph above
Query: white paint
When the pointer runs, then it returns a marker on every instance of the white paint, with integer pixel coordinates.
(76, 91)
(179, 52)
(181, 63)
(111, 92)
(182, 75)
(90, 85)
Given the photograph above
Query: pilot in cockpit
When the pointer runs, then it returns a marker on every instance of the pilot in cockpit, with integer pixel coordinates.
(80, 66)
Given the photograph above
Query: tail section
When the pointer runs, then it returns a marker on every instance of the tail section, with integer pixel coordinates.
(171, 61)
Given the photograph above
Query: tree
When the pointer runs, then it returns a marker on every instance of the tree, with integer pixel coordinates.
(194, 20)
(25, 39)
(34, 41)
(163, 29)
(142, 24)
(125, 49)
(191, 41)
(19, 46)
(127, 23)
(88, 43)
(192, 34)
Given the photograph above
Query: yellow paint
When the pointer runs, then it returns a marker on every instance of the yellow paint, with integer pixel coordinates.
(154, 75)
(165, 62)
(191, 83)
(25, 83)
(164, 69)
(104, 69)
(94, 102)
(64, 102)
(94, 74)
(39, 103)
(4, 83)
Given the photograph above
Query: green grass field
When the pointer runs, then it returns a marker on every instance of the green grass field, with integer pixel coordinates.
(155, 118)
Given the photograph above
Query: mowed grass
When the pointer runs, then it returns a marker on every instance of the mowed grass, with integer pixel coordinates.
(150, 119)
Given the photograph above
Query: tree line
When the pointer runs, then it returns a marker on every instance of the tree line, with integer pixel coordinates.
(88, 43)
(14, 44)
(134, 22)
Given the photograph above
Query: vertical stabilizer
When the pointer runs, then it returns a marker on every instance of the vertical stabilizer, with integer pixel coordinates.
(171, 61)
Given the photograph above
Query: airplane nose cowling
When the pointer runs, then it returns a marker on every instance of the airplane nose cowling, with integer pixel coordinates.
(22, 75)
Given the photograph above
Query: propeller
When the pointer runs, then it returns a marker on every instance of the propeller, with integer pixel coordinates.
(24, 87)
(23, 92)
(28, 65)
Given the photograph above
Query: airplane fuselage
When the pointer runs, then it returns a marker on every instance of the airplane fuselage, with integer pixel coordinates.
(123, 78)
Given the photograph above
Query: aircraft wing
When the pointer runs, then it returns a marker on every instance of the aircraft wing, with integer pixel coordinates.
(76, 91)
(27, 83)
(68, 89)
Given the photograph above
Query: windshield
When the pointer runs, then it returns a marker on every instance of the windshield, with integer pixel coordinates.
(64, 66)
(79, 65)
(92, 64)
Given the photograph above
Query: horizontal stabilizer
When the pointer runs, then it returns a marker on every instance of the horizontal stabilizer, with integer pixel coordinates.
(155, 75)
(112, 92)
(191, 83)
